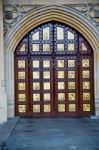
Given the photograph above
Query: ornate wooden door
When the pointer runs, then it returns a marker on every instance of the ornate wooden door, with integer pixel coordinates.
(54, 73)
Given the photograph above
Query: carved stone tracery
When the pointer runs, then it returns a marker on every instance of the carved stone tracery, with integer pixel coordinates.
(13, 13)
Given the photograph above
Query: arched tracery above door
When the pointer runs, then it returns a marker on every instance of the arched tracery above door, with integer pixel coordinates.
(54, 73)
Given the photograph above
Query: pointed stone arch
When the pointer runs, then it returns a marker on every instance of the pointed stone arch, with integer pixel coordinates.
(36, 17)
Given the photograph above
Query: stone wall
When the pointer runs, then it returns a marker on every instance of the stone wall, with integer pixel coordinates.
(14, 10)
(3, 100)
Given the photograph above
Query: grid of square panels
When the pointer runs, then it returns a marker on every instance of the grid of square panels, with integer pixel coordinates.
(40, 40)
(21, 77)
(41, 84)
(66, 84)
(65, 40)
(86, 85)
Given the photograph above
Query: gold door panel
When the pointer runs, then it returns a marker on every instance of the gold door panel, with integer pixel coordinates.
(36, 86)
(35, 36)
(61, 107)
(60, 74)
(86, 96)
(46, 47)
(60, 33)
(46, 33)
(71, 47)
(60, 47)
(36, 74)
(86, 85)
(36, 108)
(71, 63)
(21, 86)
(71, 85)
(22, 108)
(71, 74)
(85, 63)
(21, 64)
(47, 108)
(85, 74)
(72, 107)
(35, 47)
(61, 96)
(60, 63)
(35, 63)
(21, 75)
(36, 97)
(86, 107)
(46, 63)
(61, 85)
(71, 96)
(21, 97)
(46, 74)
(47, 96)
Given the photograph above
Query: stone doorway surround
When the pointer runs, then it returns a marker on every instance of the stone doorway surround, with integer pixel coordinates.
(3, 98)
(36, 17)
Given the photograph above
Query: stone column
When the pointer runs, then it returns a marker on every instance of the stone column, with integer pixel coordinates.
(3, 98)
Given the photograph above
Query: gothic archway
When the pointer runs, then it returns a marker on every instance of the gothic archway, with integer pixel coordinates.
(36, 17)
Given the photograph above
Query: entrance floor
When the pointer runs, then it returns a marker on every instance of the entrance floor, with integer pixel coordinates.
(54, 134)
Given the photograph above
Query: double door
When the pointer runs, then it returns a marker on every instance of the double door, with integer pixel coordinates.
(54, 73)
(53, 86)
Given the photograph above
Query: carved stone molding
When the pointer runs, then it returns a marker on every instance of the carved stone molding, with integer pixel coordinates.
(13, 13)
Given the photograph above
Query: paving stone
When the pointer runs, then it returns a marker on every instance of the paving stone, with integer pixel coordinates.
(54, 134)
(6, 130)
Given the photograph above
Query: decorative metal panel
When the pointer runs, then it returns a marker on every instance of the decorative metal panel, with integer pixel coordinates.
(61, 96)
(86, 107)
(47, 108)
(60, 33)
(21, 64)
(22, 108)
(85, 63)
(21, 86)
(71, 96)
(36, 97)
(21, 97)
(70, 35)
(72, 107)
(46, 33)
(61, 107)
(36, 108)
(71, 63)
(60, 63)
(35, 36)
(47, 96)
(35, 63)
(36, 86)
